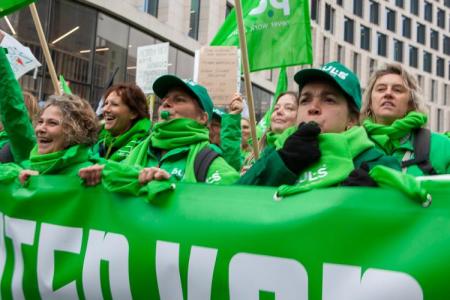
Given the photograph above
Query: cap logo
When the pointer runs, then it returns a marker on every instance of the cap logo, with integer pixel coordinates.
(190, 82)
(335, 72)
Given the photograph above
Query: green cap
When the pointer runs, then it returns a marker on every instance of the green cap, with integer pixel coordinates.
(218, 113)
(163, 84)
(336, 72)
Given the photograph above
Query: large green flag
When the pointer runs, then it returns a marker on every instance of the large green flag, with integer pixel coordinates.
(9, 6)
(278, 33)
(282, 87)
(61, 240)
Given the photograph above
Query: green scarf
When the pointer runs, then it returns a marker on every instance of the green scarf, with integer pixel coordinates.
(277, 140)
(3, 138)
(336, 162)
(56, 162)
(388, 137)
(125, 142)
(165, 135)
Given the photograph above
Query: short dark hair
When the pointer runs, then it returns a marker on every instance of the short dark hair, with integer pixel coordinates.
(133, 97)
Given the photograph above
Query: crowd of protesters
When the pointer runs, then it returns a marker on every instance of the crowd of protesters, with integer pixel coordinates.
(327, 134)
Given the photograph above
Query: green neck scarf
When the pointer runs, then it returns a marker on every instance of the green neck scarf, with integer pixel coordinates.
(170, 135)
(388, 137)
(3, 138)
(53, 163)
(277, 140)
(336, 162)
(137, 132)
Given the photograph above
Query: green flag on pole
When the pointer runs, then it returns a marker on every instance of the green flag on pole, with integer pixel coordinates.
(282, 87)
(64, 86)
(278, 33)
(9, 6)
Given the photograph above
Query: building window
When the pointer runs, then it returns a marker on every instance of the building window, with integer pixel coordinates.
(440, 69)
(414, 7)
(325, 50)
(315, 10)
(446, 93)
(399, 3)
(441, 18)
(421, 33)
(413, 53)
(329, 18)
(339, 2)
(348, 30)
(151, 7)
(374, 12)
(195, 18)
(228, 10)
(447, 45)
(356, 63)
(340, 54)
(358, 8)
(382, 44)
(433, 91)
(427, 61)
(440, 120)
(406, 27)
(372, 65)
(398, 50)
(365, 38)
(447, 3)
(434, 40)
(428, 11)
(390, 19)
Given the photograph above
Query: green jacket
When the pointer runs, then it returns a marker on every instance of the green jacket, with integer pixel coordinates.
(230, 140)
(117, 148)
(270, 169)
(13, 113)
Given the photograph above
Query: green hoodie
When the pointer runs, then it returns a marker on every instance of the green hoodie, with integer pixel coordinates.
(397, 140)
(3, 139)
(340, 154)
(117, 148)
(14, 113)
(172, 146)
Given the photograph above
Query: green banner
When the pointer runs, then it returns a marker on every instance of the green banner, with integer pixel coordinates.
(278, 33)
(9, 6)
(60, 240)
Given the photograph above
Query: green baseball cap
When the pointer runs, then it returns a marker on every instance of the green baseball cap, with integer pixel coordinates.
(218, 113)
(337, 73)
(163, 84)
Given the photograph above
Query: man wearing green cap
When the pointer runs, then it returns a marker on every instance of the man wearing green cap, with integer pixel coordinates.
(327, 148)
(176, 147)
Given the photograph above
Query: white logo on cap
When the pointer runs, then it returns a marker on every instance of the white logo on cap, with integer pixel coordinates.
(335, 72)
(190, 82)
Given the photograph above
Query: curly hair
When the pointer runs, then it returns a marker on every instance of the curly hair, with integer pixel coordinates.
(79, 122)
(133, 97)
(416, 102)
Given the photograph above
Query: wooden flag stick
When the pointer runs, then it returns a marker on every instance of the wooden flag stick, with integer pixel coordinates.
(151, 105)
(44, 45)
(248, 83)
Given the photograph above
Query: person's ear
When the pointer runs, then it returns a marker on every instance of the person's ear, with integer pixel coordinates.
(203, 118)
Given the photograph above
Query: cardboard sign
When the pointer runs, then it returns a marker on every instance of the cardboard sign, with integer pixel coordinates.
(152, 62)
(218, 69)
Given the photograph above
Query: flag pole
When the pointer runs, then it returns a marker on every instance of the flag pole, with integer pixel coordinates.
(44, 45)
(248, 83)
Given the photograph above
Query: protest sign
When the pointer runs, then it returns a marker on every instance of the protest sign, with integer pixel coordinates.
(152, 62)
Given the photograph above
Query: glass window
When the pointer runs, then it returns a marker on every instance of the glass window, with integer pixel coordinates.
(427, 61)
(315, 10)
(421, 33)
(372, 65)
(194, 19)
(358, 8)
(441, 18)
(440, 120)
(356, 64)
(440, 67)
(110, 57)
(71, 39)
(447, 45)
(399, 3)
(414, 7)
(413, 53)
(434, 39)
(390, 19)
(340, 53)
(398, 50)
(348, 30)
(325, 50)
(137, 39)
(428, 11)
(365, 37)
(447, 3)
(382, 44)
(185, 65)
(374, 12)
(339, 2)
(434, 91)
(446, 94)
(329, 18)
(151, 7)
(228, 9)
(406, 25)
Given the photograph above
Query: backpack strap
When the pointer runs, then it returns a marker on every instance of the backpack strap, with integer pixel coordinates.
(422, 141)
(6, 154)
(202, 162)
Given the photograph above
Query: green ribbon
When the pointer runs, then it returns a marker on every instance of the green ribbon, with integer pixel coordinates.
(388, 137)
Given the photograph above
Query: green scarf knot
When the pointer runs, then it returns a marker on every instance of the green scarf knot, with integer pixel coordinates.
(388, 137)
(53, 163)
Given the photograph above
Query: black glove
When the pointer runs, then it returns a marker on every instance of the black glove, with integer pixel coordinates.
(301, 149)
(360, 177)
